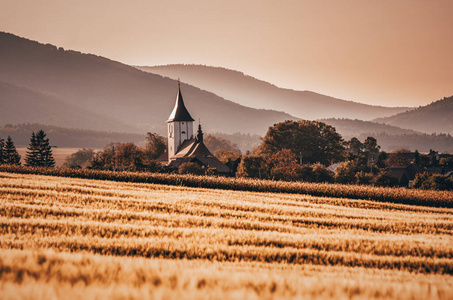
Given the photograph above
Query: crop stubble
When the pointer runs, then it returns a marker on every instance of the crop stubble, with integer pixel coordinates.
(221, 228)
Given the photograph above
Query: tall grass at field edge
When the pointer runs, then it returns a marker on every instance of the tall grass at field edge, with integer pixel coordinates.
(392, 195)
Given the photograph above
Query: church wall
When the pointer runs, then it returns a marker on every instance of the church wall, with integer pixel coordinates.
(178, 132)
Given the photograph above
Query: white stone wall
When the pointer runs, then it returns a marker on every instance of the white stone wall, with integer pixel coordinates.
(178, 132)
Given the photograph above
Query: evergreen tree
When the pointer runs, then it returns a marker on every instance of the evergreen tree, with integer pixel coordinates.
(31, 157)
(39, 152)
(2, 151)
(11, 156)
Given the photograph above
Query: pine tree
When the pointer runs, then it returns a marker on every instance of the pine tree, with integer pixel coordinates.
(31, 158)
(45, 150)
(2, 151)
(39, 151)
(11, 156)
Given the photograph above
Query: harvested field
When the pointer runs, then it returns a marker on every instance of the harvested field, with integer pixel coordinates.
(69, 236)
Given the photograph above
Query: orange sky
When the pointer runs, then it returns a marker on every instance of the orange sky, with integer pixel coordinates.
(394, 53)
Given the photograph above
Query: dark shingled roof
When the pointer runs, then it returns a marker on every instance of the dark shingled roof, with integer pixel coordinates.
(194, 150)
(180, 112)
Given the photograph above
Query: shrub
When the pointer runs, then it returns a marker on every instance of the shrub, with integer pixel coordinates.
(190, 168)
(385, 179)
(364, 178)
(306, 173)
(322, 174)
(426, 181)
(253, 166)
(345, 173)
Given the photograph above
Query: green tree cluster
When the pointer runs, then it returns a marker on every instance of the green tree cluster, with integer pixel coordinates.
(427, 181)
(80, 159)
(310, 141)
(128, 156)
(191, 168)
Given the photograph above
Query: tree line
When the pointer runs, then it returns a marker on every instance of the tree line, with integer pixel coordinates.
(39, 152)
(310, 151)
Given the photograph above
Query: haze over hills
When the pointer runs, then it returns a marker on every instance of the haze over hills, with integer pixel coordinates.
(391, 137)
(68, 137)
(434, 117)
(116, 91)
(48, 85)
(24, 105)
(249, 91)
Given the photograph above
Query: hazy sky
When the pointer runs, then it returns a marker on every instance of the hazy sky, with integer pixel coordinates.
(395, 52)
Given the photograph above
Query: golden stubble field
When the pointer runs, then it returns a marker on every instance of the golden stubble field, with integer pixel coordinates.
(78, 238)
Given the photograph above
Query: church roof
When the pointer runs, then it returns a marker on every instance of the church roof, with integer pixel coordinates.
(194, 150)
(180, 112)
(192, 147)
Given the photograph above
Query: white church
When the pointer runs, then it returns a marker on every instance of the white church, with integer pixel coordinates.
(183, 146)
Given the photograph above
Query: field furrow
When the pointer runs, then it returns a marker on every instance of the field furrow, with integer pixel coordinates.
(217, 227)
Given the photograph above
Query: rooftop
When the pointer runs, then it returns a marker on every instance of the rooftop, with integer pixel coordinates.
(179, 112)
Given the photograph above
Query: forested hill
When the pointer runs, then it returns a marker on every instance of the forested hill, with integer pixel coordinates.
(68, 137)
(249, 91)
(19, 104)
(349, 128)
(391, 137)
(114, 91)
(435, 117)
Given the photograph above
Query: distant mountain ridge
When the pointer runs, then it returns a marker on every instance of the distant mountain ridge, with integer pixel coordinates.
(434, 117)
(68, 137)
(115, 91)
(23, 105)
(353, 128)
(252, 92)
(391, 137)
(52, 86)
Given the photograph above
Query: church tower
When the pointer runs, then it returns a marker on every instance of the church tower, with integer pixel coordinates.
(180, 125)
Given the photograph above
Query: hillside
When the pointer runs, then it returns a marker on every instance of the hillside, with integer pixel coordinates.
(249, 91)
(117, 91)
(68, 137)
(435, 117)
(391, 137)
(23, 105)
(349, 128)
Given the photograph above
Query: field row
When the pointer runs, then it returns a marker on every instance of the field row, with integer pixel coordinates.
(359, 242)
(393, 195)
(148, 220)
(50, 275)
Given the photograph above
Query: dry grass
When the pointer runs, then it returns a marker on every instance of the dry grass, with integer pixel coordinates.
(207, 243)
(376, 194)
(48, 274)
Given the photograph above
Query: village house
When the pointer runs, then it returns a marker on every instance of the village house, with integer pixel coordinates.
(406, 175)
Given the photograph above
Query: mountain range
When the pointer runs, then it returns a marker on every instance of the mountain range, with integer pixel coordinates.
(134, 99)
(392, 137)
(436, 117)
(252, 92)
(40, 83)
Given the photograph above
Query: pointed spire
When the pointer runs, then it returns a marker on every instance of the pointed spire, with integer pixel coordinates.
(179, 112)
(199, 133)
